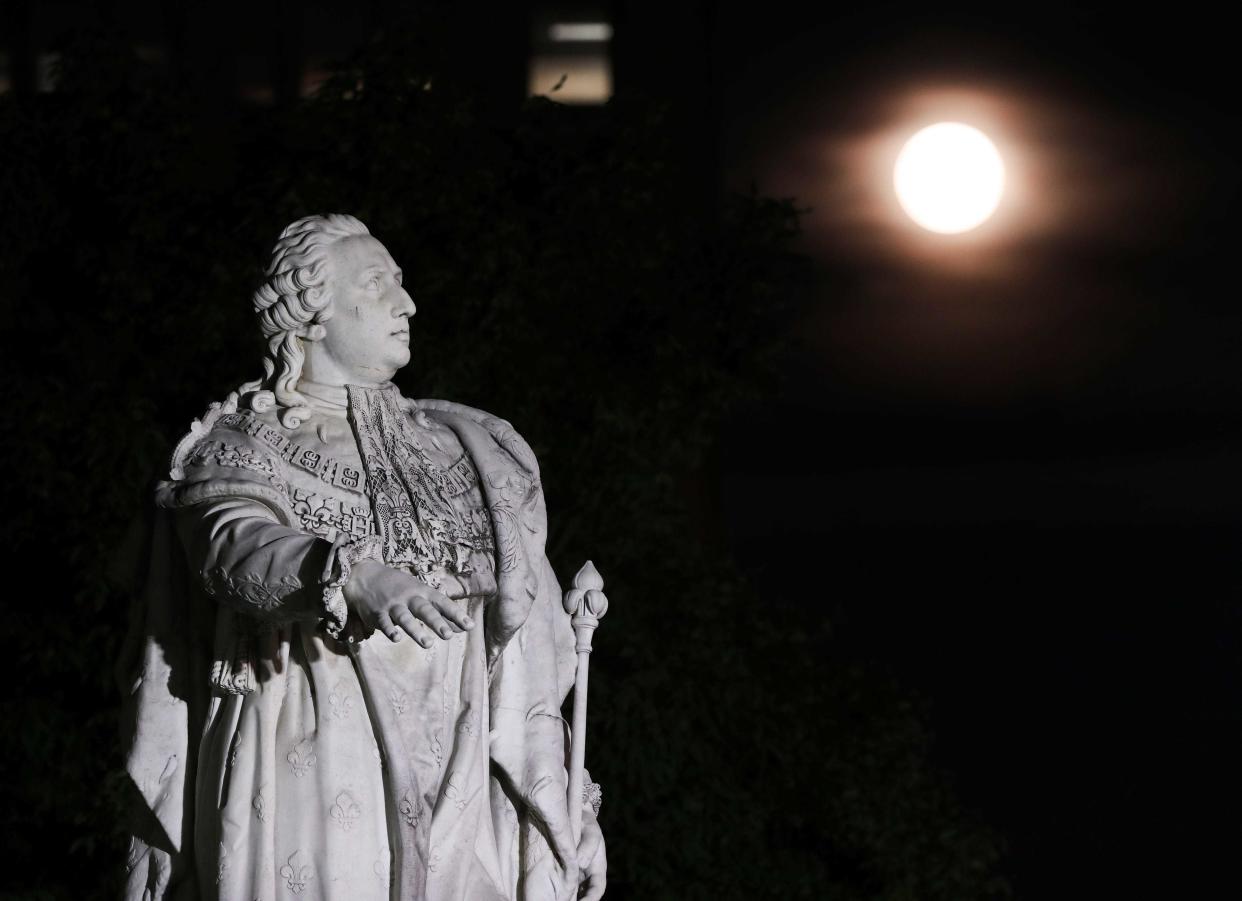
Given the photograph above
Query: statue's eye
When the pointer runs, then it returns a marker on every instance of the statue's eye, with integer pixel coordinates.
(373, 283)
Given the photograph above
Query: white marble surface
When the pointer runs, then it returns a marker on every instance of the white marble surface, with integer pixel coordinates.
(351, 652)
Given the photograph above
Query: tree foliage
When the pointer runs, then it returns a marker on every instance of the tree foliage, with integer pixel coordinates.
(564, 281)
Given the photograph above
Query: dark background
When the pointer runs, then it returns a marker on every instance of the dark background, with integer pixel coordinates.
(921, 553)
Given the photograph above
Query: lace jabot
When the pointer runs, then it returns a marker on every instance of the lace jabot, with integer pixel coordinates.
(425, 496)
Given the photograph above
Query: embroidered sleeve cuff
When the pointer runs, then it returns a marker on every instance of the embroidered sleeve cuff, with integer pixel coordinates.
(341, 560)
(592, 796)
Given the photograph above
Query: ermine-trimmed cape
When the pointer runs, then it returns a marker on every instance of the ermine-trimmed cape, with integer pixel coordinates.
(195, 671)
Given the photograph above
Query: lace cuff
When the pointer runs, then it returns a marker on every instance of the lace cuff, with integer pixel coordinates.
(592, 796)
(341, 560)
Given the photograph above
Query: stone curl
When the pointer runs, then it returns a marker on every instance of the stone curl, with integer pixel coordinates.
(292, 305)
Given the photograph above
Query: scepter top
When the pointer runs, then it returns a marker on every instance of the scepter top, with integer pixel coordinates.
(588, 577)
(586, 598)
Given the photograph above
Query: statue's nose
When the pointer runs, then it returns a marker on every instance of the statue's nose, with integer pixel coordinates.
(405, 305)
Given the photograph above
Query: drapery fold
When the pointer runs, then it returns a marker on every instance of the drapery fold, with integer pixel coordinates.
(206, 753)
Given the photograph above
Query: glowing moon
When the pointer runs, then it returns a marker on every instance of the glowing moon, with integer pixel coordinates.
(949, 178)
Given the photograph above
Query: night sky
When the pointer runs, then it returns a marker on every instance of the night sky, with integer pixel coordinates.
(1007, 463)
(1001, 467)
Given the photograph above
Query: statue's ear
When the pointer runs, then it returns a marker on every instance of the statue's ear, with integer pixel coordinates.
(312, 331)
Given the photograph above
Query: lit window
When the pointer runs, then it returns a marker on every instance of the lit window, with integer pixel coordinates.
(580, 32)
(570, 62)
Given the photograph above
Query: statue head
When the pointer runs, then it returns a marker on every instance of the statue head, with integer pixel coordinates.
(331, 303)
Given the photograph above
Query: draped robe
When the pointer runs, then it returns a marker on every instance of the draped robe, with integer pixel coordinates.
(278, 751)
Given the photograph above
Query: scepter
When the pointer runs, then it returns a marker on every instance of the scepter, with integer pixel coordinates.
(586, 605)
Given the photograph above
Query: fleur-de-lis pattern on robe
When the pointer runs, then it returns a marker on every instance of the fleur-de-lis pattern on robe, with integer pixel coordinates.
(353, 771)
(337, 745)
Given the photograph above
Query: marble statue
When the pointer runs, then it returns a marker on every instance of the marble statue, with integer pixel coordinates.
(346, 668)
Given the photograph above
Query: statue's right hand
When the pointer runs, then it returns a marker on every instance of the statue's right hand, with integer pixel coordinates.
(397, 603)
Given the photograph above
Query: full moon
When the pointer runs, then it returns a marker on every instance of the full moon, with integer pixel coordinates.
(949, 178)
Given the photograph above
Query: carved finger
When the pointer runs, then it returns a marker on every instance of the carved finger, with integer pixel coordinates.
(456, 614)
(588, 847)
(551, 818)
(416, 630)
(595, 886)
(436, 597)
(384, 623)
(599, 874)
(426, 611)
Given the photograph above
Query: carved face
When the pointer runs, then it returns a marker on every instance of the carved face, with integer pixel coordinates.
(367, 336)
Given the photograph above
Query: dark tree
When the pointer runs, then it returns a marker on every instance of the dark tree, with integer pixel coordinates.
(566, 280)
